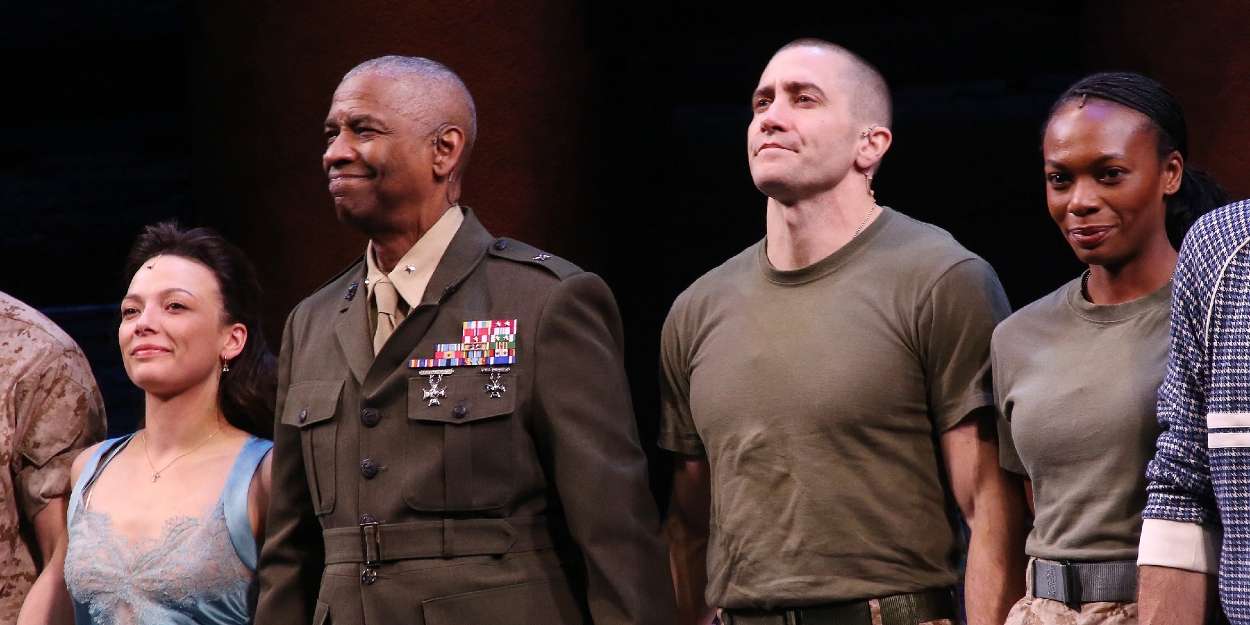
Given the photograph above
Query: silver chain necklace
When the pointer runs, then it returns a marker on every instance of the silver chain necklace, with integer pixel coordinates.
(865, 221)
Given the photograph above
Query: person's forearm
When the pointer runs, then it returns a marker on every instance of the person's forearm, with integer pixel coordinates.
(49, 602)
(993, 503)
(687, 529)
(994, 580)
(688, 561)
(1167, 596)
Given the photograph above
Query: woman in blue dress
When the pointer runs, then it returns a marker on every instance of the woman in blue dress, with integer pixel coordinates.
(165, 524)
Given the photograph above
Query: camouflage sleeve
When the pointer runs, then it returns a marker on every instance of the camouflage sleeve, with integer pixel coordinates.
(59, 413)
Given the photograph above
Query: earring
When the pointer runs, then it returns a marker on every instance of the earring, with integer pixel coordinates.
(868, 182)
(225, 366)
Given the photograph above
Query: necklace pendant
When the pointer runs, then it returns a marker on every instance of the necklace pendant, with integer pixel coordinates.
(155, 475)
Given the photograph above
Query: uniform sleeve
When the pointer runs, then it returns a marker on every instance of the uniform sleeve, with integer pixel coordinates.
(59, 413)
(677, 430)
(1008, 457)
(588, 439)
(956, 322)
(293, 555)
(1180, 479)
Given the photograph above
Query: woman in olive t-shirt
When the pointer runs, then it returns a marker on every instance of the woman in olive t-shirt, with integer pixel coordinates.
(1076, 373)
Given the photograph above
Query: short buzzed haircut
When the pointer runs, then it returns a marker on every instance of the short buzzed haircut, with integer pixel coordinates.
(867, 91)
(408, 67)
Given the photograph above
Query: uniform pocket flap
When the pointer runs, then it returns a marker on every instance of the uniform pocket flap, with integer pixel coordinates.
(461, 398)
(311, 402)
(548, 601)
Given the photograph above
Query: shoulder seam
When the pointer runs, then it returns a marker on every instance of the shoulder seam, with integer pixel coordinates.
(66, 348)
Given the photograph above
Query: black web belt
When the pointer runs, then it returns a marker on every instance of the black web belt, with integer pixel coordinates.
(374, 543)
(1085, 582)
(909, 609)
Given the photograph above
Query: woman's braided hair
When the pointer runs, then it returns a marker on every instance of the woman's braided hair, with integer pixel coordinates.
(1199, 193)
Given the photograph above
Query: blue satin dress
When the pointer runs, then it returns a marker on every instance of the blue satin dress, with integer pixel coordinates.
(199, 570)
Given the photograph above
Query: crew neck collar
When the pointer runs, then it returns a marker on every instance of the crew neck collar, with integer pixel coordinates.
(828, 264)
(1111, 313)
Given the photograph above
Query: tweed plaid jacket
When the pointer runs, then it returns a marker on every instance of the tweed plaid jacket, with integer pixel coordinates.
(1201, 471)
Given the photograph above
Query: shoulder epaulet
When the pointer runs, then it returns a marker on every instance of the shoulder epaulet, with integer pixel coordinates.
(514, 250)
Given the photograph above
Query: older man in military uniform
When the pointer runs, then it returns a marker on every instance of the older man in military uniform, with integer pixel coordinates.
(455, 442)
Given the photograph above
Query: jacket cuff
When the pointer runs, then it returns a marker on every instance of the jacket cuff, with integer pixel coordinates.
(1180, 545)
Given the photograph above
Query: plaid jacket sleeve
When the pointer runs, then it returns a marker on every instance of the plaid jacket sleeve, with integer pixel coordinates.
(1180, 476)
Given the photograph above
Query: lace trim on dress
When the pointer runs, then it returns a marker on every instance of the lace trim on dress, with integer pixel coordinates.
(190, 561)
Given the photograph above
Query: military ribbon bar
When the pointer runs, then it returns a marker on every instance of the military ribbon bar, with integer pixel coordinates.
(486, 342)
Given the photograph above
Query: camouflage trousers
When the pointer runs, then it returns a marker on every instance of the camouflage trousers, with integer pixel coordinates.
(1034, 611)
(874, 608)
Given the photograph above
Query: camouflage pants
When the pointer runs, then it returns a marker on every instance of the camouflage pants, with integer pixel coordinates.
(874, 608)
(1034, 611)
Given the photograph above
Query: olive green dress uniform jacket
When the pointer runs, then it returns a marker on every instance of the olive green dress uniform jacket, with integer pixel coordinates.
(528, 508)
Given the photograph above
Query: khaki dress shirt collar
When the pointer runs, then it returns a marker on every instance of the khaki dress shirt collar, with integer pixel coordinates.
(411, 275)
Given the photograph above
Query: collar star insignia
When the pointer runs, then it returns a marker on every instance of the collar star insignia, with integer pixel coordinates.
(542, 257)
(410, 268)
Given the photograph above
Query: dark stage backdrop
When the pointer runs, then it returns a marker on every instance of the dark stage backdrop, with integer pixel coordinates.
(611, 132)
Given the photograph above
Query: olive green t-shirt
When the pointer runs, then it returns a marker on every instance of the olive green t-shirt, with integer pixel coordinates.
(1076, 385)
(818, 396)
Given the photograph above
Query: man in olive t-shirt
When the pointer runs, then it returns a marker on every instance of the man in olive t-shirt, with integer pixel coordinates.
(829, 388)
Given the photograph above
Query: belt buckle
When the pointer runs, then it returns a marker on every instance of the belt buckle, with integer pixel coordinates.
(367, 528)
(1071, 576)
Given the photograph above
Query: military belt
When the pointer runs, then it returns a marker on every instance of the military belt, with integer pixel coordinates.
(909, 609)
(1075, 583)
(374, 543)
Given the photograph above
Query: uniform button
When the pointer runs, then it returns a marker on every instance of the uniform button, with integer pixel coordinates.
(368, 468)
(500, 244)
(368, 520)
(370, 417)
(369, 576)
(459, 411)
(303, 416)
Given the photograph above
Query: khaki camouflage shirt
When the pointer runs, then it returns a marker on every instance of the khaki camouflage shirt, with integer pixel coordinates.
(50, 409)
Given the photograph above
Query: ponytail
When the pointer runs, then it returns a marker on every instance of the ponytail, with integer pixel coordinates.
(1198, 195)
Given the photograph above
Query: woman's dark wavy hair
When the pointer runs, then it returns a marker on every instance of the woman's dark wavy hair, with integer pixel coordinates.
(248, 391)
(1199, 193)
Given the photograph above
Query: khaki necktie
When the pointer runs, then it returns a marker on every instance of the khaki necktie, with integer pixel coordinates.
(389, 314)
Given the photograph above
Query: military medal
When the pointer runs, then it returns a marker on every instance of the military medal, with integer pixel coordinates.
(436, 379)
(483, 343)
(495, 388)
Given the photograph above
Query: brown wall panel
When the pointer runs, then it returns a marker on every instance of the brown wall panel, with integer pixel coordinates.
(265, 76)
(1199, 52)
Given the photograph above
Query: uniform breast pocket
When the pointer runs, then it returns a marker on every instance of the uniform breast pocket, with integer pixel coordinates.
(460, 447)
(310, 406)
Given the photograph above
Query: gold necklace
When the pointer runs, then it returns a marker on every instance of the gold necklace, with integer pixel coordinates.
(157, 474)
